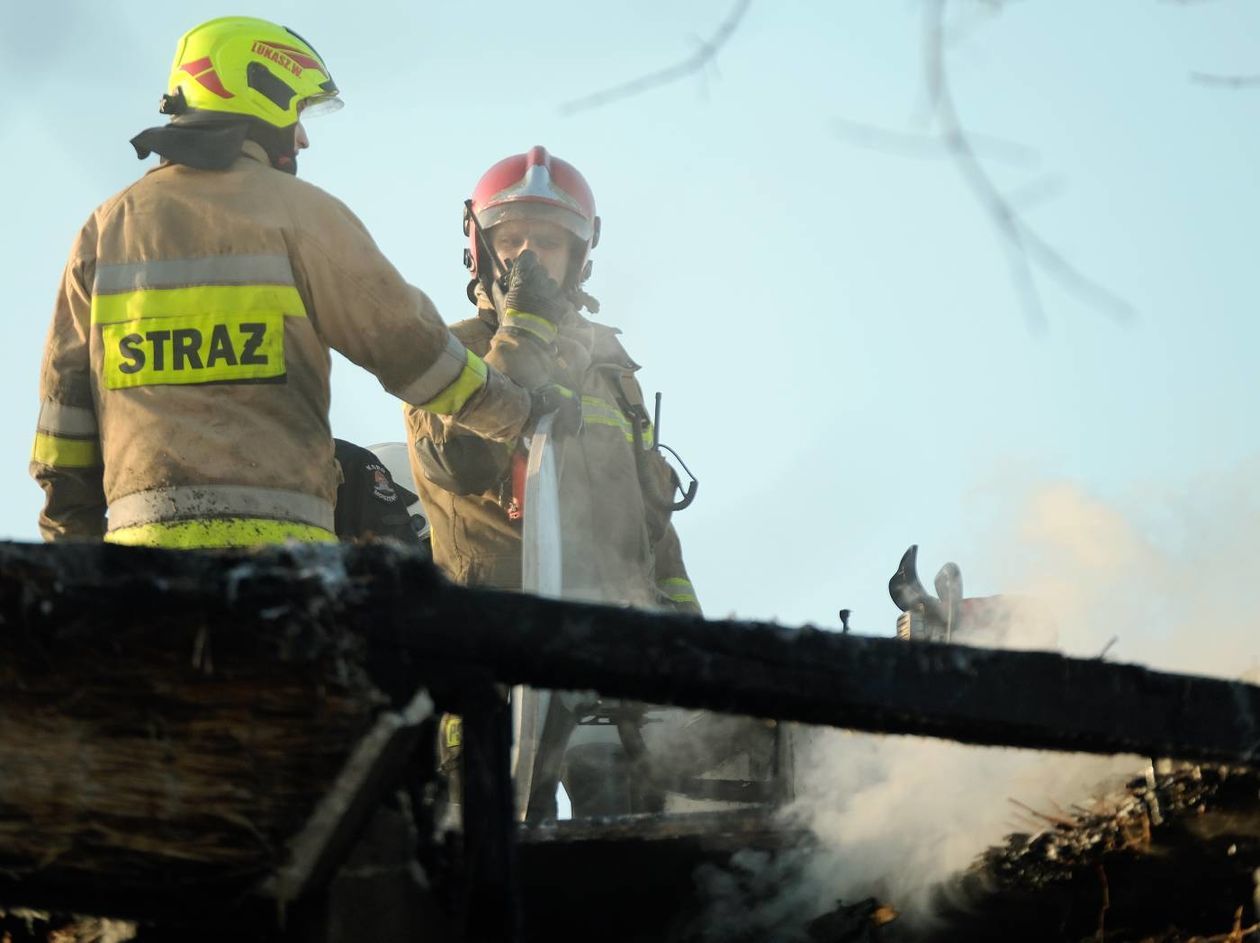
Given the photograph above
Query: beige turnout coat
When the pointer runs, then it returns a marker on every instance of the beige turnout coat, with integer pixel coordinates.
(619, 544)
(186, 372)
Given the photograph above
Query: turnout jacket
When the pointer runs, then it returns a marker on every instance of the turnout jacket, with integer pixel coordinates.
(185, 379)
(619, 545)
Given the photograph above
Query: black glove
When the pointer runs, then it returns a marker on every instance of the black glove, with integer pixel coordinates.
(531, 290)
(554, 398)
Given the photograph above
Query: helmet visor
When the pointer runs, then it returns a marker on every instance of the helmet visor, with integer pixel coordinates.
(537, 209)
(321, 105)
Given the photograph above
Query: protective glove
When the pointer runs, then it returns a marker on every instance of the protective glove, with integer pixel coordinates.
(531, 291)
(554, 398)
(524, 346)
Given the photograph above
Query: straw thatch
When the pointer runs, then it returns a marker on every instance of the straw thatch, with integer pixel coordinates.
(155, 754)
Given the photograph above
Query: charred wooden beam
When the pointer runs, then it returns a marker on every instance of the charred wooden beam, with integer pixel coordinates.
(492, 904)
(637, 877)
(424, 625)
(375, 764)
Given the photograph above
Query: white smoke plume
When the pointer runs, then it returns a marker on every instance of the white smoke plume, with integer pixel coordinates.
(897, 816)
(1165, 577)
(1157, 584)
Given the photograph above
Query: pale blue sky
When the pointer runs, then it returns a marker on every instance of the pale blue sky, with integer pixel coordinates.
(844, 359)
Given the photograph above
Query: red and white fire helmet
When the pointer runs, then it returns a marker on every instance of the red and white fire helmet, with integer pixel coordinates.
(535, 185)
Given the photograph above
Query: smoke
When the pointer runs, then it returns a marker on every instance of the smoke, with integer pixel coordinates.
(895, 817)
(1163, 577)
(1155, 581)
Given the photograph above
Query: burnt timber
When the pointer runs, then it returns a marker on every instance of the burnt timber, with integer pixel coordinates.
(431, 630)
(1170, 858)
(382, 610)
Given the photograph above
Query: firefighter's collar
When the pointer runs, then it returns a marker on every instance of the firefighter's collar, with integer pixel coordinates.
(255, 151)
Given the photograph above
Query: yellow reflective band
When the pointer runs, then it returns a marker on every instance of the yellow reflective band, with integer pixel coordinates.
(600, 412)
(589, 420)
(217, 533)
(453, 731)
(61, 452)
(540, 327)
(206, 300)
(596, 402)
(682, 590)
(194, 348)
(452, 399)
(604, 413)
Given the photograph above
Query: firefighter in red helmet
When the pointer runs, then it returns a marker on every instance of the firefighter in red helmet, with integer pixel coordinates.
(531, 225)
(537, 214)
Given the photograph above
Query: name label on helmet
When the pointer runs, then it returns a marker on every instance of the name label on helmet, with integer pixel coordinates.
(207, 348)
(275, 55)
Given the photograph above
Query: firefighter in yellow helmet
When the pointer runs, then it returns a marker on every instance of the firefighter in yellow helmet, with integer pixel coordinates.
(185, 380)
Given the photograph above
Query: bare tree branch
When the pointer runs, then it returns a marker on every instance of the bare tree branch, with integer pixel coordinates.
(914, 144)
(1025, 248)
(1035, 191)
(1227, 81)
(706, 52)
(979, 14)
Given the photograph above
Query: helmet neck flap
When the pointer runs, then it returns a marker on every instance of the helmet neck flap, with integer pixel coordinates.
(208, 141)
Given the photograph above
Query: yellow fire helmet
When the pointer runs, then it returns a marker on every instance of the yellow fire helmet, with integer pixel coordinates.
(245, 66)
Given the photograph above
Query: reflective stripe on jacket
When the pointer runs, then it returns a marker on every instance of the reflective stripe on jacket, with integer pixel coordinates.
(186, 373)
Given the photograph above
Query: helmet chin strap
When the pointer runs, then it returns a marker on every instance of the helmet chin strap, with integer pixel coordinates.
(583, 300)
(574, 290)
